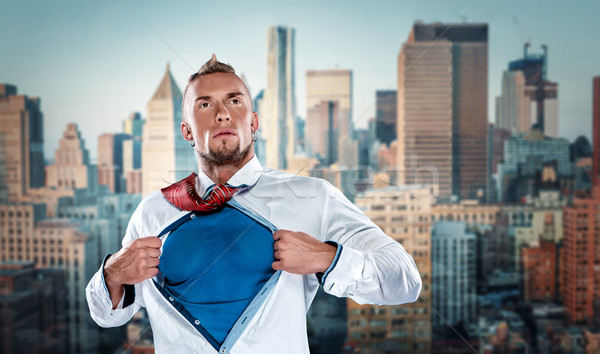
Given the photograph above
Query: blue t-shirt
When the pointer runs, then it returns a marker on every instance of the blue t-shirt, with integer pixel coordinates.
(215, 264)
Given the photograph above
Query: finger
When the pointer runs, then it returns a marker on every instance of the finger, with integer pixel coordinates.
(150, 272)
(153, 252)
(276, 255)
(276, 245)
(276, 265)
(150, 241)
(152, 262)
(277, 235)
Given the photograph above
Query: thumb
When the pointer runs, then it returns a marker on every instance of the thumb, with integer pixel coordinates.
(277, 265)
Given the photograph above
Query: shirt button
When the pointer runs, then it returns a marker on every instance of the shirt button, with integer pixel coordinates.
(192, 216)
(223, 350)
(171, 298)
(197, 322)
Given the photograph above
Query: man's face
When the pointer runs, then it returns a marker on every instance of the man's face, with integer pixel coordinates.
(219, 118)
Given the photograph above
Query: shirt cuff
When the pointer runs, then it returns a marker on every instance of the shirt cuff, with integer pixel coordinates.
(322, 276)
(129, 290)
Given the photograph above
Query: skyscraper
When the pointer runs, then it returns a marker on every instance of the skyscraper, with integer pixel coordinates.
(580, 272)
(71, 167)
(329, 112)
(525, 157)
(279, 103)
(442, 107)
(528, 97)
(385, 116)
(453, 273)
(134, 125)
(166, 156)
(322, 127)
(132, 153)
(110, 160)
(21, 143)
(405, 215)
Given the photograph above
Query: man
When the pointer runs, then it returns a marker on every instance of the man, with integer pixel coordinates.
(237, 275)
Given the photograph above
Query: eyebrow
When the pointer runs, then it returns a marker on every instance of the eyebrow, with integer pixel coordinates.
(202, 98)
(229, 95)
(233, 94)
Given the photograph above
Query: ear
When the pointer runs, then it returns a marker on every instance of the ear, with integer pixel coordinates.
(254, 121)
(186, 132)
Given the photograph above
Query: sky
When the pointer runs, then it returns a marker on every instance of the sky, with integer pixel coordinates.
(94, 62)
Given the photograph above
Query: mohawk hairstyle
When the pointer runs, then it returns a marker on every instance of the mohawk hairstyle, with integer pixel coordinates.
(210, 67)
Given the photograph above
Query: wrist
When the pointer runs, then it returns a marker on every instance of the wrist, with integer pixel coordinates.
(109, 276)
(326, 257)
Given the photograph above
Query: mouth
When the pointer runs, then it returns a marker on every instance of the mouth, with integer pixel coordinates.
(224, 133)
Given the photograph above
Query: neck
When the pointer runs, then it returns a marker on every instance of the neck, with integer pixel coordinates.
(220, 174)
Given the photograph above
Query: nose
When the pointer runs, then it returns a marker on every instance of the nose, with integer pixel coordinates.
(223, 114)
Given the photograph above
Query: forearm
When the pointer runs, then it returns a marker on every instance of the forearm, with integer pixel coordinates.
(101, 303)
(376, 274)
(115, 290)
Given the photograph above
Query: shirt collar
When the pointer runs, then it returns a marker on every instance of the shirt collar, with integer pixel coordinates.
(246, 176)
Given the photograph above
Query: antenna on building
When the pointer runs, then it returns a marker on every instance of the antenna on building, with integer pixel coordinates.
(545, 62)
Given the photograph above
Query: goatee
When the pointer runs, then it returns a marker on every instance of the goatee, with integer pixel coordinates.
(223, 158)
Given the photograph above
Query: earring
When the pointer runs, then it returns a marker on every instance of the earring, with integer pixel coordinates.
(192, 143)
(254, 135)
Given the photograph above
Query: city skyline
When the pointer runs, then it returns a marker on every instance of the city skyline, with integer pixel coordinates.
(99, 64)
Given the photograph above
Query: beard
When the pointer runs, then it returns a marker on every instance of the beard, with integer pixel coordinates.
(225, 157)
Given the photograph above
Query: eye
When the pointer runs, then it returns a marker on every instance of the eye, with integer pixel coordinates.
(235, 101)
(204, 105)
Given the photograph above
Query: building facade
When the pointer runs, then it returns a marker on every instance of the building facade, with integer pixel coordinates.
(528, 97)
(539, 265)
(21, 143)
(166, 156)
(71, 162)
(442, 108)
(453, 251)
(581, 248)
(329, 112)
(279, 103)
(405, 215)
(32, 309)
(385, 116)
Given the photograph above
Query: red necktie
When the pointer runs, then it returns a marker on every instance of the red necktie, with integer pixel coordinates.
(183, 195)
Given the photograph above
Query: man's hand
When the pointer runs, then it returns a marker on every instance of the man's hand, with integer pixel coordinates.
(134, 263)
(300, 253)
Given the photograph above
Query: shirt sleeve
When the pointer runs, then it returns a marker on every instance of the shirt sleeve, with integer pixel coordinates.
(370, 267)
(98, 297)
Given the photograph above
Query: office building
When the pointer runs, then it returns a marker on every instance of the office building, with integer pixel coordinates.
(539, 266)
(166, 156)
(528, 97)
(403, 213)
(453, 252)
(385, 116)
(21, 143)
(329, 112)
(110, 160)
(32, 309)
(442, 108)
(580, 273)
(71, 167)
(279, 104)
(533, 162)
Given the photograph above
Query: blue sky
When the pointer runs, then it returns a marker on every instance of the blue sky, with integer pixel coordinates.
(95, 62)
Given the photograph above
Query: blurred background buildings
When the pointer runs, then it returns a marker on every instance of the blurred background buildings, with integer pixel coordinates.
(502, 219)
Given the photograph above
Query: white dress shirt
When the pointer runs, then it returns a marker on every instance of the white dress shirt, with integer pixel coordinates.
(370, 267)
